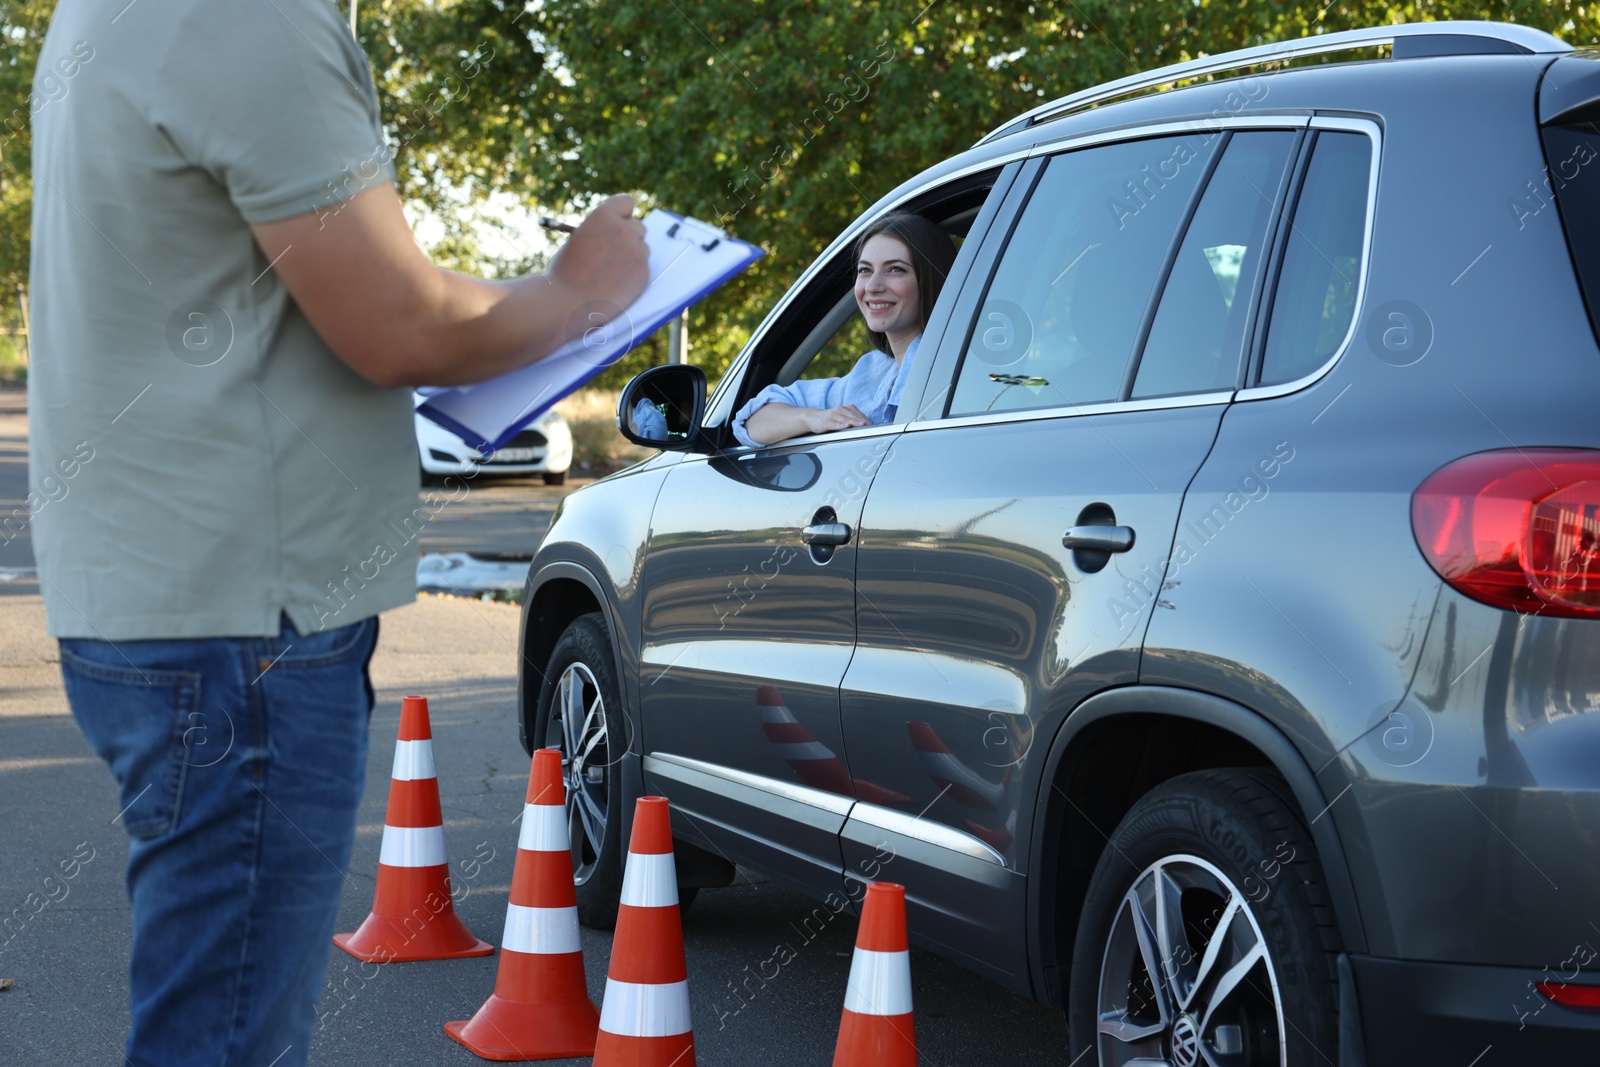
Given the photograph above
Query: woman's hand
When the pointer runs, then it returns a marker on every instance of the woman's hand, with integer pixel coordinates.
(827, 420)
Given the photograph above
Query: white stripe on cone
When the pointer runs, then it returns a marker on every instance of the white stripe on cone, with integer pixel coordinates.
(649, 881)
(413, 760)
(412, 846)
(633, 1009)
(547, 931)
(544, 828)
(880, 983)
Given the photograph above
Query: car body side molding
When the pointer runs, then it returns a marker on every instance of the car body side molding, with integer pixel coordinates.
(926, 831)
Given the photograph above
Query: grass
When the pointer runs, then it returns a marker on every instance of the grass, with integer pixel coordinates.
(592, 414)
(13, 358)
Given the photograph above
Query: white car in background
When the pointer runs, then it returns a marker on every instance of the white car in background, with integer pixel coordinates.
(544, 447)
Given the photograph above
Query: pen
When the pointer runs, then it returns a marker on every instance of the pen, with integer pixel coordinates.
(551, 224)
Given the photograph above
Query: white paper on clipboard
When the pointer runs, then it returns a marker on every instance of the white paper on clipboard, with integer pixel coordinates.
(688, 259)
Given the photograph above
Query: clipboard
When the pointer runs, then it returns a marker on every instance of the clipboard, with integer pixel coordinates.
(688, 259)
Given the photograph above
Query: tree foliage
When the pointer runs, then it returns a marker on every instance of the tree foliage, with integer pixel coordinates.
(784, 120)
(22, 29)
(780, 119)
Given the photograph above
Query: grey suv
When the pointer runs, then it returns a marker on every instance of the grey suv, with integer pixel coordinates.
(1211, 645)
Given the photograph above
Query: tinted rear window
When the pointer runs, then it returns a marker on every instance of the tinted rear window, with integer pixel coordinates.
(1316, 296)
(1199, 330)
(1573, 156)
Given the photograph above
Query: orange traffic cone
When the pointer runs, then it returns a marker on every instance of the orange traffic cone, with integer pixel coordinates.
(540, 1008)
(644, 1019)
(413, 917)
(876, 1030)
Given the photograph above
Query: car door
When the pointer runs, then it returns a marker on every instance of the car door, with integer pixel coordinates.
(1012, 548)
(747, 629)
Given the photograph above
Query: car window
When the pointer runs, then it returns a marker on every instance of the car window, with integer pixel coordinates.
(1062, 312)
(1199, 331)
(846, 347)
(1568, 150)
(821, 334)
(1316, 293)
(839, 356)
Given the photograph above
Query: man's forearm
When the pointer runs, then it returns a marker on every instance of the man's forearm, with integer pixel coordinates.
(397, 320)
(477, 329)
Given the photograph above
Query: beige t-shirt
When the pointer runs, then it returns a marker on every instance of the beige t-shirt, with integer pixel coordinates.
(200, 460)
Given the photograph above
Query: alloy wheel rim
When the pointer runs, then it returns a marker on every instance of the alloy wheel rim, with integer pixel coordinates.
(1185, 978)
(578, 728)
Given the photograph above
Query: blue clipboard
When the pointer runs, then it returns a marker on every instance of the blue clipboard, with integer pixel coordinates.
(688, 259)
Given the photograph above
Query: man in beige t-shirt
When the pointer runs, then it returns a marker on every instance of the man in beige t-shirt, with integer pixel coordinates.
(228, 312)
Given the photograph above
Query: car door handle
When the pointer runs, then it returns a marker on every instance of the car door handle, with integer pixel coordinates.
(826, 533)
(1098, 538)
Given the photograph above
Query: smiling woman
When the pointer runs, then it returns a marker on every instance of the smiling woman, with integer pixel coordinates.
(902, 261)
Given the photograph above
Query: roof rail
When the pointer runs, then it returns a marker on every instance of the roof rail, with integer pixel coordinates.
(1492, 36)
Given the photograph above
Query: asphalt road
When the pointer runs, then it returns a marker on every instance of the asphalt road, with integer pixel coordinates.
(68, 955)
(16, 546)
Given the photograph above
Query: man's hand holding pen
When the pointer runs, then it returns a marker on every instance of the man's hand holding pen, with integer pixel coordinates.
(605, 258)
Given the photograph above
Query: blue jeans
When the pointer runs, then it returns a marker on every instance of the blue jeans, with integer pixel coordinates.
(240, 763)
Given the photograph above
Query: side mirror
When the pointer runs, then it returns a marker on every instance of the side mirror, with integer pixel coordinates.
(662, 407)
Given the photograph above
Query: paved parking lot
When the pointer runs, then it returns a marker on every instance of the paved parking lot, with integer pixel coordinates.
(67, 950)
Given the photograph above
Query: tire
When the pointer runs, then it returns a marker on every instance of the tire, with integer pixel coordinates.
(555, 478)
(1228, 847)
(579, 710)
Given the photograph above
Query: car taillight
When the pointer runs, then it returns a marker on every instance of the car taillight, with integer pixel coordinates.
(1579, 996)
(1516, 528)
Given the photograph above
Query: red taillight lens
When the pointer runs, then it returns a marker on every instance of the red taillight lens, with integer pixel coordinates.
(1579, 996)
(1517, 529)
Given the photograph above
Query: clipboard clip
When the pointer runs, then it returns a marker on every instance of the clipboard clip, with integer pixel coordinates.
(708, 246)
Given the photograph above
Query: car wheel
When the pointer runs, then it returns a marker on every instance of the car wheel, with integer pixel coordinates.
(555, 478)
(580, 714)
(1206, 936)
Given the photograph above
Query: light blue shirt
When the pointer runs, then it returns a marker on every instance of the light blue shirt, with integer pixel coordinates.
(873, 385)
(649, 422)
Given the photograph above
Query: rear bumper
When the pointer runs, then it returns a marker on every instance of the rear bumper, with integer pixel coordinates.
(1448, 1013)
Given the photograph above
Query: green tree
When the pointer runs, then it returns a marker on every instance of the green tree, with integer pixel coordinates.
(22, 29)
(781, 120)
(784, 120)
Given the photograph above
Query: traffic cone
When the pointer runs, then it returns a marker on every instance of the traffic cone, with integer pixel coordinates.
(540, 1008)
(413, 916)
(644, 1019)
(876, 1030)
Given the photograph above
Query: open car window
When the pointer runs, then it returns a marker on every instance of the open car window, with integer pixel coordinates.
(821, 333)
